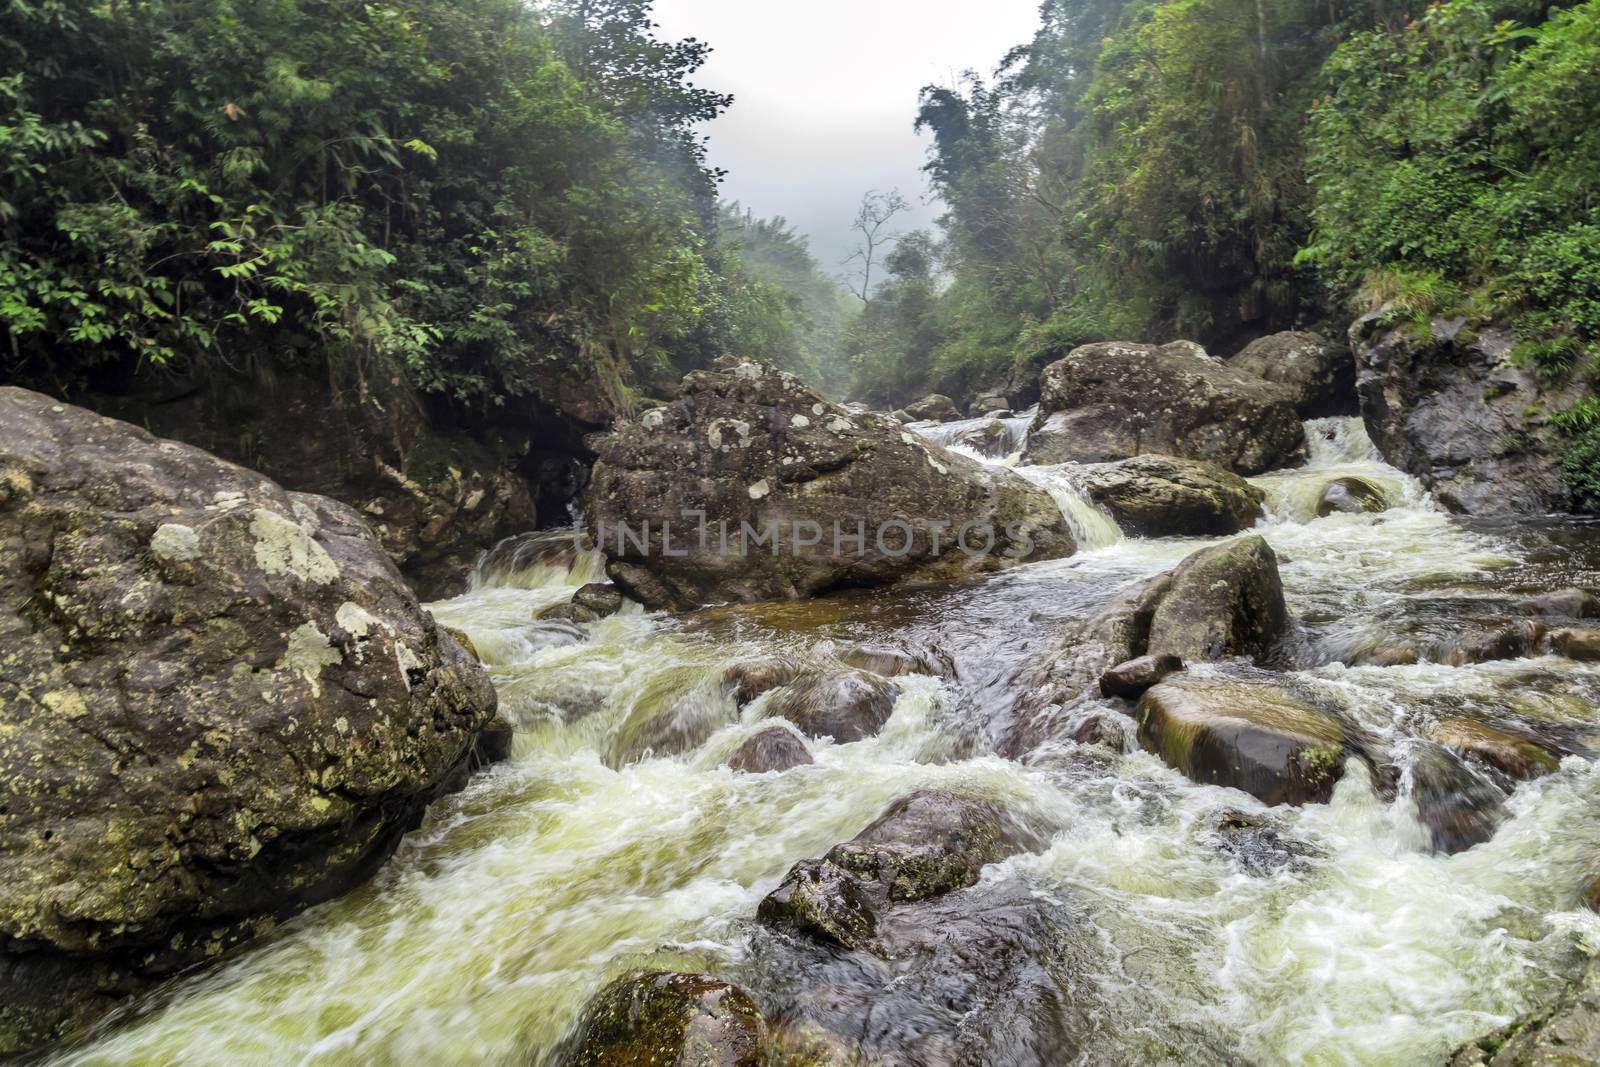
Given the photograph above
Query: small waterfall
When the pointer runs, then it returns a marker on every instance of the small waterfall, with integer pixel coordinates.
(1091, 527)
(1339, 442)
(542, 559)
(985, 438)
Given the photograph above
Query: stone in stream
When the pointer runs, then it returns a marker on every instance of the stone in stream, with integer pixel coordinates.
(1319, 374)
(1350, 496)
(1578, 644)
(567, 612)
(1165, 496)
(812, 499)
(925, 845)
(1115, 400)
(1573, 603)
(1564, 1034)
(995, 404)
(1255, 844)
(221, 705)
(1517, 757)
(494, 742)
(600, 598)
(461, 638)
(845, 705)
(668, 1019)
(1510, 642)
(747, 681)
(1132, 677)
(1223, 601)
(1253, 733)
(1458, 806)
(773, 748)
(935, 407)
(892, 662)
(987, 438)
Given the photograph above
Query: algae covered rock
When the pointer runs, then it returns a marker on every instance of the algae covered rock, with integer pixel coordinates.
(1250, 733)
(1164, 496)
(1350, 496)
(750, 486)
(221, 704)
(925, 845)
(669, 1019)
(1223, 601)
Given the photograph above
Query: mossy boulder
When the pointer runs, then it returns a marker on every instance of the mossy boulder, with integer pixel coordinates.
(1251, 733)
(925, 845)
(220, 704)
(669, 1019)
(749, 486)
(772, 748)
(1115, 400)
(935, 407)
(846, 705)
(1350, 496)
(599, 598)
(1319, 374)
(1221, 602)
(1518, 757)
(1165, 496)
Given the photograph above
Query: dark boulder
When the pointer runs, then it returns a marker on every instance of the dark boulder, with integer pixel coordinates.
(1221, 602)
(772, 748)
(599, 598)
(1256, 844)
(925, 845)
(1350, 496)
(1251, 733)
(812, 498)
(844, 705)
(220, 705)
(1116, 400)
(1447, 405)
(1458, 806)
(935, 407)
(668, 1019)
(1132, 677)
(1164, 496)
(1319, 374)
(747, 681)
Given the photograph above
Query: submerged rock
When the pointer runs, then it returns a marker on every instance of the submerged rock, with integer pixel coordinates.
(221, 705)
(1255, 844)
(1320, 375)
(1573, 603)
(987, 438)
(811, 498)
(1254, 734)
(1511, 642)
(1458, 806)
(599, 598)
(925, 845)
(1565, 1034)
(1350, 496)
(1132, 677)
(935, 407)
(668, 1019)
(1513, 755)
(1164, 496)
(892, 662)
(1117, 400)
(844, 705)
(773, 748)
(747, 681)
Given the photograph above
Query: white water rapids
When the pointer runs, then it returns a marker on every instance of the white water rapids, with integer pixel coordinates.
(615, 838)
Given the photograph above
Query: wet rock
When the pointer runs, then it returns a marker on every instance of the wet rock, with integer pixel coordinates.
(1254, 734)
(1098, 730)
(1319, 374)
(902, 416)
(892, 662)
(599, 599)
(221, 705)
(1392, 653)
(668, 1019)
(1132, 677)
(1459, 807)
(1164, 496)
(1116, 400)
(935, 407)
(461, 638)
(925, 845)
(568, 612)
(813, 499)
(1578, 644)
(996, 404)
(1350, 496)
(1511, 642)
(1255, 844)
(771, 749)
(987, 439)
(1221, 602)
(746, 681)
(1446, 405)
(1571, 603)
(1513, 755)
(1565, 1034)
(845, 705)
(494, 743)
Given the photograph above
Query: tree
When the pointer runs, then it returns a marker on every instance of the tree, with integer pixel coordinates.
(877, 210)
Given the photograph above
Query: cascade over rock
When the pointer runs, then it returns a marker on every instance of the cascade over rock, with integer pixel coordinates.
(1115, 400)
(219, 704)
(783, 471)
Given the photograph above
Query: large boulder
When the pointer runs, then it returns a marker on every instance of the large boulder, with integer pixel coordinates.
(1116, 400)
(1252, 733)
(1321, 375)
(1221, 602)
(925, 845)
(668, 1019)
(799, 497)
(935, 407)
(1162, 496)
(1447, 405)
(219, 704)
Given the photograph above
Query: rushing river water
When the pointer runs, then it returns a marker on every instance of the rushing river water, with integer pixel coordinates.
(615, 837)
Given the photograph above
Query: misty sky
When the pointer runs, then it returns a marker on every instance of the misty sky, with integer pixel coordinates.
(826, 93)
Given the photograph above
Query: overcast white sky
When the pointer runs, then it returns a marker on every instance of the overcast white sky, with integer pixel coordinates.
(826, 93)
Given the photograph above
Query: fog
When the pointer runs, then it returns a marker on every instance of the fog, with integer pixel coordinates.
(826, 95)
